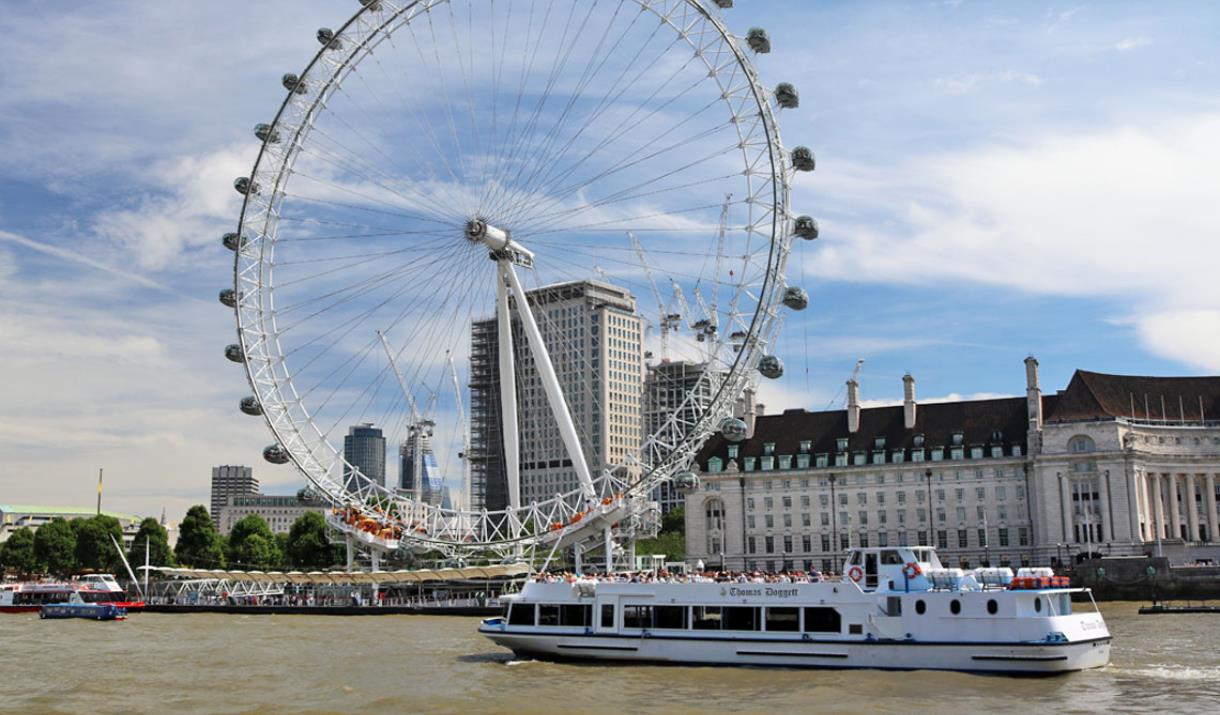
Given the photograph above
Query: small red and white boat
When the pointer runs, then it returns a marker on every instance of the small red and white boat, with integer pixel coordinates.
(104, 588)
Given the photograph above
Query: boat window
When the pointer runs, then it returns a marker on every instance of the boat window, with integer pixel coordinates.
(705, 618)
(1037, 604)
(608, 615)
(669, 617)
(890, 558)
(783, 619)
(548, 614)
(992, 606)
(921, 607)
(521, 614)
(637, 616)
(893, 606)
(955, 606)
(855, 558)
(1065, 604)
(855, 629)
(576, 615)
(741, 618)
(819, 619)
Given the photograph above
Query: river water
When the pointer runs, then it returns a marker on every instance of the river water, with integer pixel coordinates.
(207, 663)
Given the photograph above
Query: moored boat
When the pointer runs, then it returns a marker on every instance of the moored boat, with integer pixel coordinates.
(104, 588)
(30, 596)
(898, 608)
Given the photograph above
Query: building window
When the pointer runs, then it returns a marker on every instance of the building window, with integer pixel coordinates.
(976, 452)
(806, 543)
(896, 456)
(860, 458)
(917, 455)
(864, 540)
(733, 450)
(1016, 450)
(715, 465)
(769, 521)
(1022, 536)
(841, 444)
(750, 545)
(768, 448)
(954, 453)
(805, 520)
(769, 544)
(942, 539)
(1081, 444)
(997, 450)
(749, 464)
(768, 463)
(805, 445)
(938, 454)
(902, 538)
(787, 544)
(1003, 537)
(883, 539)
(802, 461)
(822, 460)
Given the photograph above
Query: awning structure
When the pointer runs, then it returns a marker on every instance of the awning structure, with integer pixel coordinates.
(382, 578)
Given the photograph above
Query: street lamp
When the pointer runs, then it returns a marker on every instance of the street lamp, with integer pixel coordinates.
(927, 477)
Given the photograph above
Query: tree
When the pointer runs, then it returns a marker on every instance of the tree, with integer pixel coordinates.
(154, 535)
(199, 544)
(17, 554)
(308, 546)
(252, 545)
(55, 547)
(672, 544)
(674, 521)
(94, 548)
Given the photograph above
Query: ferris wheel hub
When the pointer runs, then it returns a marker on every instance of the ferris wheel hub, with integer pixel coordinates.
(499, 242)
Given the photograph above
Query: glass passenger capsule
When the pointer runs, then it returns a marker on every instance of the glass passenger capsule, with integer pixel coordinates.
(244, 186)
(292, 83)
(796, 298)
(771, 367)
(267, 133)
(275, 454)
(805, 227)
(786, 95)
(228, 297)
(234, 353)
(250, 406)
(802, 159)
(233, 241)
(758, 40)
(326, 36)
(733, 429)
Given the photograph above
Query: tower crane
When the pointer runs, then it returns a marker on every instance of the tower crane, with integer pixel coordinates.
(464, 456)
(669, 320)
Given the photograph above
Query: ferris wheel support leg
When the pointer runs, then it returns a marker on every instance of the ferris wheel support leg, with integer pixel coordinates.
(508, 393)
(609, 539)
(550, 383)
(351, 554)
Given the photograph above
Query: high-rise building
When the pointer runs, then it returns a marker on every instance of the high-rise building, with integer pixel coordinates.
(414, 453)
(230, 480)
(595, 341)
(364, 449)
(676, 388)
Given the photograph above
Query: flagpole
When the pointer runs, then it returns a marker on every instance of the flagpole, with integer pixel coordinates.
(99, 491)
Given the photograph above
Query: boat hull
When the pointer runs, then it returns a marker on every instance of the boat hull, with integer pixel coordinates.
(89, 611)
(1014, 658)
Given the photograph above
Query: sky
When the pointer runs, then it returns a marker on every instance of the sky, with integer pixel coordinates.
(994, 180)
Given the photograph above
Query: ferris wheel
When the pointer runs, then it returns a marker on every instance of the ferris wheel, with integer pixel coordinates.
(455, 247)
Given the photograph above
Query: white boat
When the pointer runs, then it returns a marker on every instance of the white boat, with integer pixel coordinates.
(898, 608)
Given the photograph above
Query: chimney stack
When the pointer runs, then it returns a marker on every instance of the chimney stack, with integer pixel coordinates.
(1033, 393)
(908, 401)
(749, 410)
(853, 406)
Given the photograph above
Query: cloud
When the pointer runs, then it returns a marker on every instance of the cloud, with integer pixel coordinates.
(1191, 336)
(192, 200)
(1124, 213)
(1131, 43)
(971, 83)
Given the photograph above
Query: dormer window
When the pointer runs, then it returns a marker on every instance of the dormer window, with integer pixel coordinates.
(957, 439)
(841, 444)
(918, 440)
(879, 443)
(768, 448)
(806, 445)
(733, 449)
(997, 436)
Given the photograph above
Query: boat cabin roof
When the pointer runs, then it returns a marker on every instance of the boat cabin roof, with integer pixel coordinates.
(925, 556)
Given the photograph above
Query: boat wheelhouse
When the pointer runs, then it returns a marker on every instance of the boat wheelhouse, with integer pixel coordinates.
(897, 608)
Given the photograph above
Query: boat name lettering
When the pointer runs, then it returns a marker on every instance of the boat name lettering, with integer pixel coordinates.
(736, 591)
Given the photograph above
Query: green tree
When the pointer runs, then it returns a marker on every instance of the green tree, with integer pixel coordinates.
(674, 521)
(672, 544)
(199, 544)
(308, 547)
(55, 547)
(252, 545)
(154, 535)
(17, 554)
(94, 548)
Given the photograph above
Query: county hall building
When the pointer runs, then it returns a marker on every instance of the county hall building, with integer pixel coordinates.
(1110, 466)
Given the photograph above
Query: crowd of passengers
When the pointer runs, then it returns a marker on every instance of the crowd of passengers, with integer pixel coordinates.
(695, 577)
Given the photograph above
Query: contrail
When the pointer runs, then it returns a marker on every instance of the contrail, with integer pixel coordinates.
(85, 261)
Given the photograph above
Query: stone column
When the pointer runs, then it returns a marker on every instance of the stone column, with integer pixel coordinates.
(1103, 516)
(1209, 501)
(1175, 509)
(1158, 506)
(1065, 508)
(1139, 500)
(1192, 510)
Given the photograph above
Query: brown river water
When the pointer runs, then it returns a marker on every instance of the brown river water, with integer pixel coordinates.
(207, 663)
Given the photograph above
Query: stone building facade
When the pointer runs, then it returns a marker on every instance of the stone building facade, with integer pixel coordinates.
(1025, 480)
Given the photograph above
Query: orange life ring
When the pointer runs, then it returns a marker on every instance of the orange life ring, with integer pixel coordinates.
(911, 570)
(855, 573)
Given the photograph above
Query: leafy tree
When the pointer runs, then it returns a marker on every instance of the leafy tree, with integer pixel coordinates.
(308, 546)
(674, 521)
(17, 554)
(55, 547)
(94, 549)
(199, 544)
(281, 543)
(154, 535)
(252, 545)
(672, 544)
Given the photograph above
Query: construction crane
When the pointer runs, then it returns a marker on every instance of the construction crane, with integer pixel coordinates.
(669, 320)
(419, 426)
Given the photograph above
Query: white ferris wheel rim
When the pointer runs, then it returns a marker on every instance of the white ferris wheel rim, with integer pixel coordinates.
(285, 410)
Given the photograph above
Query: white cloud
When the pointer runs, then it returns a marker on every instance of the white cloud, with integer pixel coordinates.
(970, 83)
(195, 200)
(1126, 213)
(1131, 43)
(1192, 336)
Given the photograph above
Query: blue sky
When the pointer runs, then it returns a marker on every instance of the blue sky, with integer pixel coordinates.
(994, 180)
